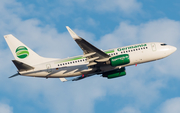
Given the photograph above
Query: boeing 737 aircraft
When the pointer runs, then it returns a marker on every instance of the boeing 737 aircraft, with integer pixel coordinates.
(110, 63)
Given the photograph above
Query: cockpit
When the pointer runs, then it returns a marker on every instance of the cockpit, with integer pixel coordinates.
(163, 44)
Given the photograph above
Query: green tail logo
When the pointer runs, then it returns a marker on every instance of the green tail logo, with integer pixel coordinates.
(22, 52)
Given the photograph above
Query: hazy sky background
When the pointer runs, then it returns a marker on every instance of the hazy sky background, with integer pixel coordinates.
(148, 88)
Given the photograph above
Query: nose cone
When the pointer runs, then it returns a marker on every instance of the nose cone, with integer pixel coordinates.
(172, 49)
(166, 50)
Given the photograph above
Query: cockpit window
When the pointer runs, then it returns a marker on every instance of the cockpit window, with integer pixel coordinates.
(163, 44)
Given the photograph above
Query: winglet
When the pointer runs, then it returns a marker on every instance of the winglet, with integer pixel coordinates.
(63, 79)
(72, 33)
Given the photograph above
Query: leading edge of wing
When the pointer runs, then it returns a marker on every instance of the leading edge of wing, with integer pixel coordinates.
(87, 47)
(72, 33)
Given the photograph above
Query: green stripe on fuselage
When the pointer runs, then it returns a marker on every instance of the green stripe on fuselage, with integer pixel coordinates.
(71, 59)
(110, 51)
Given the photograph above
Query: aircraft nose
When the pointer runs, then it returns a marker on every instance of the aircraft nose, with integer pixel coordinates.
(173, 49)
(168, 50)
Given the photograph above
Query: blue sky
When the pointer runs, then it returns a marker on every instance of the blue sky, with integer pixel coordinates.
(147, 88)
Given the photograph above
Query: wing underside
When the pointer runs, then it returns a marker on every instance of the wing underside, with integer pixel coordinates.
(94, 56)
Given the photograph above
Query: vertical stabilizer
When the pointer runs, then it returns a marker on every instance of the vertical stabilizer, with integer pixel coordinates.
(23, 53)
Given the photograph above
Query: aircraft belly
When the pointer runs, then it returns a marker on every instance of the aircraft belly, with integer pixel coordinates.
(61, 73)
(35, 74)
(56, 72)
(68, 71)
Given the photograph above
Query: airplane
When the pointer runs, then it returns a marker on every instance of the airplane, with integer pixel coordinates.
(109, 63)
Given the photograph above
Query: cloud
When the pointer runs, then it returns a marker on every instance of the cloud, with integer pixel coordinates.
(67, 7)
(129, 110)
(4, 108)
(170, 106)
(125, 6)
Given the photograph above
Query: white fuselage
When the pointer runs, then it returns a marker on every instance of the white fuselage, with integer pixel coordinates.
(75, 66)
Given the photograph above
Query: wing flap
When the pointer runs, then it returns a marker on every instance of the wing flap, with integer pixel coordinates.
(92, 59)
(102, 60)
(92, 64)
(89, 54)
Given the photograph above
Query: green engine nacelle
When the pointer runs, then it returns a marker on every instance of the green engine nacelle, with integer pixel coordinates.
(119, 60)
(115, 73)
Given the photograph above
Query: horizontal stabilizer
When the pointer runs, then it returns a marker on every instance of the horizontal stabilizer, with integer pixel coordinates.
(63, 79)
(14, 75)
(22, 66)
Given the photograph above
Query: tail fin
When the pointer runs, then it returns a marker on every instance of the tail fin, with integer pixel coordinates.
(23, 53)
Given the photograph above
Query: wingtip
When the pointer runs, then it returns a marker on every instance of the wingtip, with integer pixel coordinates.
(67, 27)
(72, 33)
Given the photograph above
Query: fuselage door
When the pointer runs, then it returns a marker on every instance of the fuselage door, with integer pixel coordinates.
(153, 46)
(48, 66)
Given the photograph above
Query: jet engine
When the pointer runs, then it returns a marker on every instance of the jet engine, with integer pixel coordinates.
(115, 73)
(119, 60)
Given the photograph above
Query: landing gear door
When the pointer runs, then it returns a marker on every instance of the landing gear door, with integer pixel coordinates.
(48, 66)
(153, 46)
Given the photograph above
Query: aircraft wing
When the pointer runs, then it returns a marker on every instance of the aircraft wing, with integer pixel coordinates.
(92, 53)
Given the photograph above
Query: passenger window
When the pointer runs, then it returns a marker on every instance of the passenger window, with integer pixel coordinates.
(129, 51)
(139, 49)
(124, 51)
(136, 49)
(146, 47)
(121, 52)
(75, 61)
(65, 63)
(60, 64)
